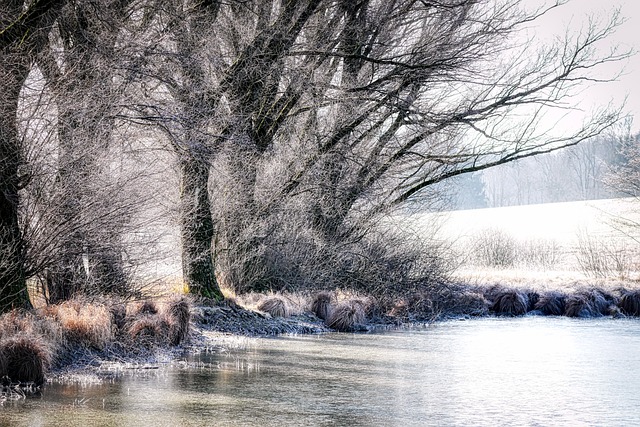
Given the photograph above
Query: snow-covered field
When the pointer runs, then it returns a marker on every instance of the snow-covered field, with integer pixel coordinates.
(549, 244)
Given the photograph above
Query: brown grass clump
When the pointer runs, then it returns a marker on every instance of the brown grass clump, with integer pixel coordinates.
(84, 324)
(178, 316)
(275, 306)
(532, 298)
(630, 303)
(580, 305)
(118, 316)
(472, 304)
(602, 301)
(346, 315)
(22, 322)
(510, 302)
(399, 308)
(551, 303)
(590, 303)
(148, 330)
(25, 359)
(493, 292)
(321, 305)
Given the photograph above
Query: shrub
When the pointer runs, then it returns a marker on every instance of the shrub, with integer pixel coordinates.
(494, 248)
(292, 256)
(604, 259)
(541, 253)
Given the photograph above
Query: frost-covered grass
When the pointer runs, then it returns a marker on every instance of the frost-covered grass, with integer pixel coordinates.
(543, 246)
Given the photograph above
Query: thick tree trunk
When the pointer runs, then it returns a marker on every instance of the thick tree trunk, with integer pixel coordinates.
(197, 229)
(13, 286)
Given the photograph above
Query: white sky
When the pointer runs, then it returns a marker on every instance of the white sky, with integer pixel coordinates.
(574, 15)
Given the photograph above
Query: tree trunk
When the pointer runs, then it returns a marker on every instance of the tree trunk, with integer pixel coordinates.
(197, 229)
(13, 285)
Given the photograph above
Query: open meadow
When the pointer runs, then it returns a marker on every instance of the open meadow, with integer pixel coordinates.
(555, 245)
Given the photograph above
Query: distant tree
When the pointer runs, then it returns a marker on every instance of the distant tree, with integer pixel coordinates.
(470, 192)
(623, 175)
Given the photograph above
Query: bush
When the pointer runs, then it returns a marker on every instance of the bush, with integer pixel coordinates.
(494, 248)
(603, 259)
(379, 262)
(542, 253)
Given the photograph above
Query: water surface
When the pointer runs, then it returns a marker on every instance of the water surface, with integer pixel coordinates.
(526, 371)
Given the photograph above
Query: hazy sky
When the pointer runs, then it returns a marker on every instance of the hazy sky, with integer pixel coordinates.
(574, 15)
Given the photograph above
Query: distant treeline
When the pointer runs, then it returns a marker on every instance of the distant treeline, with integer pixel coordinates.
(588, 171)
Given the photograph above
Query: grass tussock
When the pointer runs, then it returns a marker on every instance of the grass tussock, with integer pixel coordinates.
(18, 322)
(630, 303)
(177, 314)
(32, 342)
(507, 302)
(274, 305)
(24, 359)
(347, 315)
(551, 303)
(83, 324)
(148, 330)
(579, 305)
(146, 307)
(321, 305)
(590, 303)
(118, 313)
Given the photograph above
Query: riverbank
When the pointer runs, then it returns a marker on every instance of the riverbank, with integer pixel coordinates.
(84, 341)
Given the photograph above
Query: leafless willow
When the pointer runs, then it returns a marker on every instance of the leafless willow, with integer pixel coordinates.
(296, 125)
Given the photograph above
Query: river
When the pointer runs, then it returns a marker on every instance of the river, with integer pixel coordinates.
(493, 371)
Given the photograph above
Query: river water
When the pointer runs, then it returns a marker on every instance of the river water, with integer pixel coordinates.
(493, 371)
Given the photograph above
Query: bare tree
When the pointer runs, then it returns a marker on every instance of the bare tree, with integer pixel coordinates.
(380, 101)
(23, 31)
(80, 66)
(318, 116)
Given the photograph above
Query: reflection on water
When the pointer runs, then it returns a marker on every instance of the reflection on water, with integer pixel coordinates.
(528, 371)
